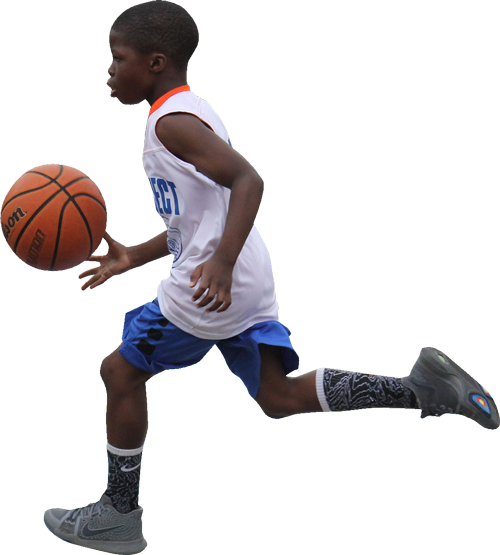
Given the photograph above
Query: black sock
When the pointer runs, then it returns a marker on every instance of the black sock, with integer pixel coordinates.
(339, 390)
(123, 478)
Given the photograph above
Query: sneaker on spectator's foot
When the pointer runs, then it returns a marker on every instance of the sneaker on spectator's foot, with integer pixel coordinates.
(99, 526)
(94, 96)
(47, 129)
(58, 94)
(441, 386)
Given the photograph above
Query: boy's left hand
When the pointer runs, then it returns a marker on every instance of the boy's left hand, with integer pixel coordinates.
(490, 286)
(216, 279)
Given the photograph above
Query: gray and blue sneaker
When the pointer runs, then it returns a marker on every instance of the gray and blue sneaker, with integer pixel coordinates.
(441, 386)
(99, 526)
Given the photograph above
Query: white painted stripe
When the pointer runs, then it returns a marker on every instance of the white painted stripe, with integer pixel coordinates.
(125, 452)
(332, 350)
(320, 390)
(457, 331)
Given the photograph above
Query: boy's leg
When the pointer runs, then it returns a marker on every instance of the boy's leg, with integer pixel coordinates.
(113, 524)
(436, 385)
(324, 390)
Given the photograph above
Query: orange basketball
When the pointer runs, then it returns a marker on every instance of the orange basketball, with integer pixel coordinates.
(54, 217)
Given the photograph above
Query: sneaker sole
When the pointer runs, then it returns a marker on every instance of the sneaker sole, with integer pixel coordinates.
(120, 548)
(442, 386)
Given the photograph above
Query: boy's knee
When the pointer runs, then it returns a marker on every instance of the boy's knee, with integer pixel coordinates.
(119, 374)
(277, 405)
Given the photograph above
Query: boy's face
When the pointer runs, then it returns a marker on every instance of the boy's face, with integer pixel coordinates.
(131, 78)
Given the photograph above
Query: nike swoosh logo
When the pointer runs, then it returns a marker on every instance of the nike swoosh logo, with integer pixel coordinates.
(88, 532)
(125, 468)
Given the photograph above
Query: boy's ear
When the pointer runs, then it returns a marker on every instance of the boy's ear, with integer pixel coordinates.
(157, 62)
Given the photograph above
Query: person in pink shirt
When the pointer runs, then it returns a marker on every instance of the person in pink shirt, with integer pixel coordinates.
(223, 13)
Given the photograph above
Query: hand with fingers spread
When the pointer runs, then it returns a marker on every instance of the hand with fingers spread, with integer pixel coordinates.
(490, 286)
(115, 262)
(434, 179)
(215, 278)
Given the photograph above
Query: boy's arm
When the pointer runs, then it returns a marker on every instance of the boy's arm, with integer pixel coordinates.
(191, 140)
(120, 259)
(438, 181)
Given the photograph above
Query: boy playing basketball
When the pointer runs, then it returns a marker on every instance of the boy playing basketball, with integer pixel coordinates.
(220, 290)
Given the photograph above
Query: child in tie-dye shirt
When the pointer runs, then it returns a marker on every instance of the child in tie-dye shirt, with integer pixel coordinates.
(24, 25)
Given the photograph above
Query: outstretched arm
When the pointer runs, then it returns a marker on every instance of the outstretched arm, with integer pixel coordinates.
(120, 259)
(191, 140)
(439, 182)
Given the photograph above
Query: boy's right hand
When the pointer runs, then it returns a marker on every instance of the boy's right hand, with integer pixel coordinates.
(117, 261)
(434, 179)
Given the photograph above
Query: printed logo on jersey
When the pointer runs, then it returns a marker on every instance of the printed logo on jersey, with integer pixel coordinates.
(174, 242)
(166, 200)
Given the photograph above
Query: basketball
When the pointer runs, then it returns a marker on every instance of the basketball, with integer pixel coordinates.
(54, 217)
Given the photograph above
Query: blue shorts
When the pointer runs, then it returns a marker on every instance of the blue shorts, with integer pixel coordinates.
(153, 344)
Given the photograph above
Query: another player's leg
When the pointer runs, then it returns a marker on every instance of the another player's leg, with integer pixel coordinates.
(113, 524)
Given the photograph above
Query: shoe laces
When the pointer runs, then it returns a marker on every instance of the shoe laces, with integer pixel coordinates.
(434, 416)
(88, 511)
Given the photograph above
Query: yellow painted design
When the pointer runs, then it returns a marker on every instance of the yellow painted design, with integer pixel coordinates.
(39, 546)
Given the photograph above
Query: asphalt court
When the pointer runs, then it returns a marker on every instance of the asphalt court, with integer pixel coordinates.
(367, 270)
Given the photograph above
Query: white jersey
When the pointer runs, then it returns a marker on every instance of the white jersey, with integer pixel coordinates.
(194, 209)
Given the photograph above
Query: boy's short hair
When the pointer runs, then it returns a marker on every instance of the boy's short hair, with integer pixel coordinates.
(161, 27)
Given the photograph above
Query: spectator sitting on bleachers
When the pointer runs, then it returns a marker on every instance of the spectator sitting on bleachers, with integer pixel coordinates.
(24, 25)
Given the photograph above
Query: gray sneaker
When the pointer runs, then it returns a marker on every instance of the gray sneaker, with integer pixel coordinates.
(441, 386)
(99, 526)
